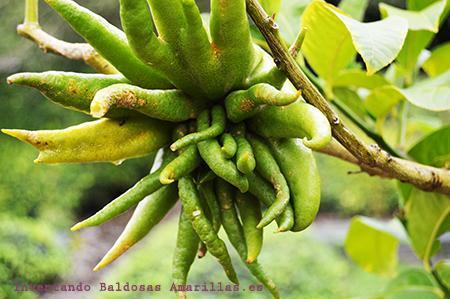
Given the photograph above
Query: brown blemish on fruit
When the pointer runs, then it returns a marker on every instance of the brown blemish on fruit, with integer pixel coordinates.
(129, 100)
(247, 105)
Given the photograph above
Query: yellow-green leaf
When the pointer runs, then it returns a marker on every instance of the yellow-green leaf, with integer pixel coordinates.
(381, 100)
(355, 8)
(442, 269)
(333, 38)
(428, 217)
(413, 283)
(272, 7)
(289, 18)
(360, 79)
(372, 245)
(425, 19)
(328, 45)
(104, 140)
(433, 149)
(431, 94)
(423, 25)
(379, 42)
(439, 61)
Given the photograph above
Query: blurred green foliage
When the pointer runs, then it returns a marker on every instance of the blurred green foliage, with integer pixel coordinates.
(29, 253)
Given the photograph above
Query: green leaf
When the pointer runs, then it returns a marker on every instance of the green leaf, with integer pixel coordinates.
(381, 100)
(442, 269)
(352, 101)
(422, 24)
(355, 8)
(413, 284)
(360, 79)
(433, 149)
(333, 38)
(421, 4)
(418, 4)
(428, 217)
(272, 7)
(379, 42)
(439, 61)
(426, 19)
(328, 45)
(372, 245)
(431, 94)
(289, 18)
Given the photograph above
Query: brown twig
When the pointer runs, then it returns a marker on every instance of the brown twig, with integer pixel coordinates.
(31, 30)
(75, 51)
(369, 156)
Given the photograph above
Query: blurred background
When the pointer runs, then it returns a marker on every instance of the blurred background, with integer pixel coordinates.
(39, 203)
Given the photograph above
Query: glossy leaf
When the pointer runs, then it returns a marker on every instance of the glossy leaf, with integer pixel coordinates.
(355, 8)
(378, 43)
(426, 19)
(359, 78)
(434, 149)
(372, 245)
(352, 101)
(439, 61)
(381, 100)
(422, 24)
(442, 269)
(413, 284)
(328, 45)
(431, 94)
(428, 217)
(289, 18)
(272, 7)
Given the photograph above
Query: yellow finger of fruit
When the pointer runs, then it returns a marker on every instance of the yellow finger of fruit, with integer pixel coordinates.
(104, 140)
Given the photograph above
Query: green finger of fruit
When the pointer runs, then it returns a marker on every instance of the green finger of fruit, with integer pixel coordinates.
(169, 19)
(297, 120)
(268, 168)
(250, 212)
(148, 213)
(211, 153)
(130, 198)
(208, 193)
(229, 145)
(244, 104)
(230, 33)
(137, 23)
(71, 90)
(169, 105)
(265, 71)
(104, 140)
(198, 53)
(245, 159)
(185, 251)
(183, 165)
(217, 127)
(191, 203)
(265, 193)
(110, 42)
(235, 233)
(299, 166)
